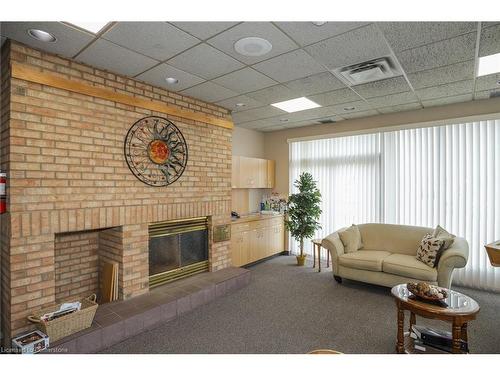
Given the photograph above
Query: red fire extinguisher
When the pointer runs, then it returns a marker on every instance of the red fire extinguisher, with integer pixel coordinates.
(3, 196)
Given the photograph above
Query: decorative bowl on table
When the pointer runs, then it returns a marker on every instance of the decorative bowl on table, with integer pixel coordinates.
(427, 291)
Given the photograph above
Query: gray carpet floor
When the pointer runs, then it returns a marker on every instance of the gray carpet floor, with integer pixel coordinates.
(290, 309)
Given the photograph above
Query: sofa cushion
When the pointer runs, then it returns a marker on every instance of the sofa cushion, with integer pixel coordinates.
(351, 238)
(443, 234)
(428, 250)
(370, 260)
(409, 266)
(397, 239)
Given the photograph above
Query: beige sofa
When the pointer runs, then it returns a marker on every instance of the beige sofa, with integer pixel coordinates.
(388, 256)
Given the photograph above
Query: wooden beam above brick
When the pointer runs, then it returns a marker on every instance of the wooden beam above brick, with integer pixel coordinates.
(31, 74)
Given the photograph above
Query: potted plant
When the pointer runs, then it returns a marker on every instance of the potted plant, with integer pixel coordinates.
(303, 212)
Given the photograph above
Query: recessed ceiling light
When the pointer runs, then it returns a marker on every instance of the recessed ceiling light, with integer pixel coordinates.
(253, 46)
(240, 104)
(172, 80)
(41, 35)
(489, 65)
(318, 23)
(295, 105)
(93, 27)
(349, 108)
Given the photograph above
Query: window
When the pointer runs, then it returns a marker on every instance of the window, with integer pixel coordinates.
(447, 175)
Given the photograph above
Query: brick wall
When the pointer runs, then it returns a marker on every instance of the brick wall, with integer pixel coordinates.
(76, 264)
(64, 155)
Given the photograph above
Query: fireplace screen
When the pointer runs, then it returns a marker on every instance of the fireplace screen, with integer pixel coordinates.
(177, 249)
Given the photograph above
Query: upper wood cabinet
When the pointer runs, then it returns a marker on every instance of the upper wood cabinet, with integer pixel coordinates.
(271, 173)
(252, 173)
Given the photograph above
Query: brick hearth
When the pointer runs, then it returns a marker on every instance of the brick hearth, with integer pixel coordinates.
(63, 153)
(117, 321)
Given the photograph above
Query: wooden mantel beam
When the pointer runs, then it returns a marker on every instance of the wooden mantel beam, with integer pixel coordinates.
(28, 73)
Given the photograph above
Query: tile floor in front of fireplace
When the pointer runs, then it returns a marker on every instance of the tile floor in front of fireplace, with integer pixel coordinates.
(120, 320)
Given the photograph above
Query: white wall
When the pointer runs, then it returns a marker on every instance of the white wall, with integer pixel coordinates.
(248, 142)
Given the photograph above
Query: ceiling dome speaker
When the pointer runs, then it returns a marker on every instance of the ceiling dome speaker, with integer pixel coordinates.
(253, 46)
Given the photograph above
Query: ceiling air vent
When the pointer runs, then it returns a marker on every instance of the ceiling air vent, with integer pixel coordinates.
(326, 121)
(369, 71)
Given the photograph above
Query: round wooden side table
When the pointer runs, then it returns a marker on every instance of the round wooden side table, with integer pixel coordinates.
(317, 246)
(457, 308)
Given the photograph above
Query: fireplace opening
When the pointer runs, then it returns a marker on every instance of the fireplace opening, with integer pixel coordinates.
(177, 249)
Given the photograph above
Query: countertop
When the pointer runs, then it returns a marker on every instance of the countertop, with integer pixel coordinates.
(254, 217)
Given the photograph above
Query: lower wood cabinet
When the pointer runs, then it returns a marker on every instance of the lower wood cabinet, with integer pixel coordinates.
(257, 239)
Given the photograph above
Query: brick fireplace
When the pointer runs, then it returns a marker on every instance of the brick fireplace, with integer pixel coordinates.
(72, 200)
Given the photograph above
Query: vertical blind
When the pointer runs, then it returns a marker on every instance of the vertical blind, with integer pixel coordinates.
(447, 175)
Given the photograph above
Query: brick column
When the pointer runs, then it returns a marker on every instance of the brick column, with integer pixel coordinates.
(135, 260)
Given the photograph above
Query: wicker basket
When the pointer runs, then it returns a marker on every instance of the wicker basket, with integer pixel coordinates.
(67, 324)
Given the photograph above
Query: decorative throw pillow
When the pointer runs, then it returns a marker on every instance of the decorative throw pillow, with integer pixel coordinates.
(351, 238)
(428, 250)
(442, 234)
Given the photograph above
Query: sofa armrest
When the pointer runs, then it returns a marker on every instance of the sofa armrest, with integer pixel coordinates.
(336, 248)
(456, 256)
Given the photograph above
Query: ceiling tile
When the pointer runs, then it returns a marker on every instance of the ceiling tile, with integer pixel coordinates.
(106, 55)
(209, 92)
(204, 30)
(479, 95)
(383, 87)
(400, 108)
(205, 61)
(273, 94)
(394, 99)
(352, 115)
(353, 47)
(447, 100)
(69, 40)
(231, 103)
(273, 128)
(258, 113)
(264, 123)
(158, 40)
(358, 105)
(438, 54)
(290, 66)
(314, 84)
(158, 74)
(490, 41)
(406, 35)
(449, 89)
(445, 74)
(245, 80)
(253, 124)
(305, 33)
(225, 41)
(491, 81)
(484, 25)
(335, 97)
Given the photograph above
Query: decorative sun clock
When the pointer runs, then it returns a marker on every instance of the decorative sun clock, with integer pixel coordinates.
(156, 151)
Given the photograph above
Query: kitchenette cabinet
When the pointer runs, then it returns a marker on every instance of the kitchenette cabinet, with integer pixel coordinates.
(252, 173)
(256, 237)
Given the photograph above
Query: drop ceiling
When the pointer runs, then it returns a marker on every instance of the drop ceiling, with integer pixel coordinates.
(437, 59)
